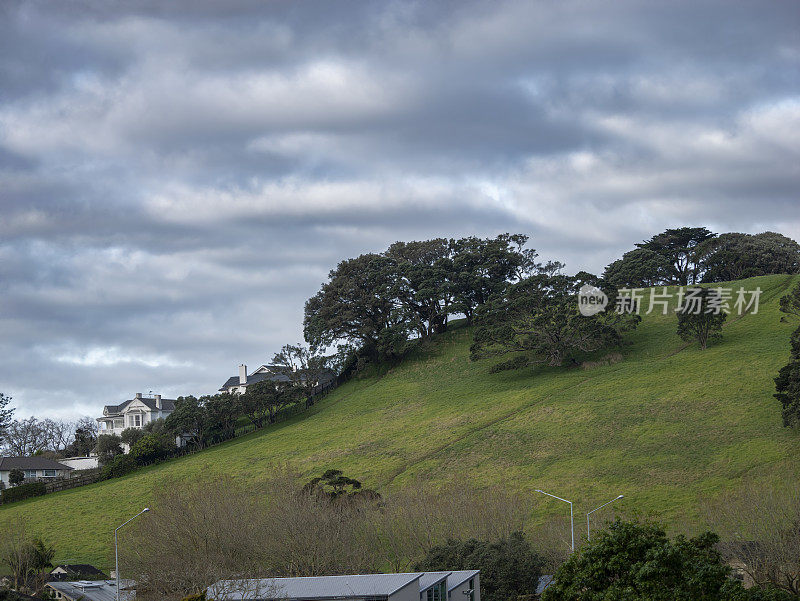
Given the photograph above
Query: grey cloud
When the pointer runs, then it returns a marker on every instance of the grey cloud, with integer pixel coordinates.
(176, 179)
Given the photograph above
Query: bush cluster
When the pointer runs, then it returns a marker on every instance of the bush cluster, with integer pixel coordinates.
(23, 491)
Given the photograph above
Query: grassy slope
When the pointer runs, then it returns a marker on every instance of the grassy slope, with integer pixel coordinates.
(667, 426)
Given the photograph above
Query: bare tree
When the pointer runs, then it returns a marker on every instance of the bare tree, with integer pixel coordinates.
(25, 437)
(759, 527)
(58, 434)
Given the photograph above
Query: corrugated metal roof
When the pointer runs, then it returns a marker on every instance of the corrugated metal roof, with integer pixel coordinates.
(454, 578)
(95, 590)
(316, 587)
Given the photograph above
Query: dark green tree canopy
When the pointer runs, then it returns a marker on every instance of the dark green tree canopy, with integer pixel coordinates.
(357, 305)
(701, 317)
(736, 256)
(639, 268)
(629, 561)
(787, 383)
(539, 317)
(679, 247)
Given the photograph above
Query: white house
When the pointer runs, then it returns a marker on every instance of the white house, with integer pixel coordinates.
(134, 413)
(34, 468)
(461, 585)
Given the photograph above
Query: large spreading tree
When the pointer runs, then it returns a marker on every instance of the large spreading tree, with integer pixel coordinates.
(539, 318)
(735, 256)
(357, 305)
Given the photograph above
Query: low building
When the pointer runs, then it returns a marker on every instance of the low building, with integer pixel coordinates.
(34, 468)
(81, 463)
(76, 571)
(134, 413)
(462, 585)
(93, 590)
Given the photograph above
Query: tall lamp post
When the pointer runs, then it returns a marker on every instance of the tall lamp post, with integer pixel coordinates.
(571, 522)
(116, 549)
(588, 531)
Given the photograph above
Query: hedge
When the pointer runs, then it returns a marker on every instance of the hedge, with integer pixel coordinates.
(23, 491)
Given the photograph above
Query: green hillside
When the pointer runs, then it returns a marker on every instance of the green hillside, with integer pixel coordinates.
(667, 426)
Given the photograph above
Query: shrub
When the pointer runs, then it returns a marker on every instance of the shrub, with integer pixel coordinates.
(150, 448)
(23, 491)
(119, 466)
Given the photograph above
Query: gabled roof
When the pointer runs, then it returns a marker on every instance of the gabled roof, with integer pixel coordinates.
(316, 587)
(454, 578)
(253, 378)
(30, 463)
(166, 405)
(78, 569)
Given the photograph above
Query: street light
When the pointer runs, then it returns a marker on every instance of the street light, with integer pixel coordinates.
(571, 522)
(588, 532)
(116, 552)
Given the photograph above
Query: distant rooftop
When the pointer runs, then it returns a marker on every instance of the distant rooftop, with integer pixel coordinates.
(30, 463)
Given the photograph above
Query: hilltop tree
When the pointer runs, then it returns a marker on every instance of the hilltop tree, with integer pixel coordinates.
(357, 305)
(735, 256)
(539, 317)
(679, 248)
(484, 268)
(638, 268)
(423, 283)
(700, 317)
(787, 383)
(671, 257)
(5, 416)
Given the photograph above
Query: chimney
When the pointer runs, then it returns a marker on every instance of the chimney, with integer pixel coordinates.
(158, 401)
(138, 395)
(242, 374)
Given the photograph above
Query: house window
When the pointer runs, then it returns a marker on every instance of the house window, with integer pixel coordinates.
(137, 421)
(30, 473)
(471, 589)
(119, 424)
(49, 473)
(437, 593)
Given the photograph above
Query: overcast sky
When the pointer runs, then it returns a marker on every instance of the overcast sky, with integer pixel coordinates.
(177, 178)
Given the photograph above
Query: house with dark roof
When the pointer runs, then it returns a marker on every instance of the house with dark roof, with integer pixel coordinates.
(460, 585)
(134, 413)
(75, 571)
(274, 373)
(34, 468)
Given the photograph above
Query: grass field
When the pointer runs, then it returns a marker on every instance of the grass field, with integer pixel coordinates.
(668, 426)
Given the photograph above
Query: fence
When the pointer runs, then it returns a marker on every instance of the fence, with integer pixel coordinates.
(87, 477)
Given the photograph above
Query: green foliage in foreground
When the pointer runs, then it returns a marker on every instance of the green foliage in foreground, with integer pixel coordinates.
(668, 426)
(631, 561)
